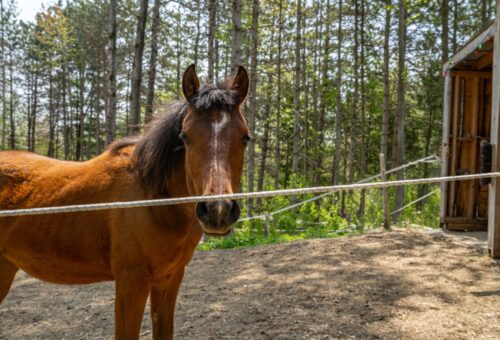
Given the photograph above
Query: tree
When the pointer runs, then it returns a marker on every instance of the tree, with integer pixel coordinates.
(399, 130)
(111, 105)
(212, 14)
(253, 84)
(152, 62)
(296, 98)
(387, 104)
(135, 94)
(236, 34)
(4, 88)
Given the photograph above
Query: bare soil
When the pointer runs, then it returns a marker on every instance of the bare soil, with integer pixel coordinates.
(396, 285)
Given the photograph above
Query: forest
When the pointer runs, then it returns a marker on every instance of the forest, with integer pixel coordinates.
(334, 84)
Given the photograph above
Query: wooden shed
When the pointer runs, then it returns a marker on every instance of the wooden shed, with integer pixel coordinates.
(470, 119)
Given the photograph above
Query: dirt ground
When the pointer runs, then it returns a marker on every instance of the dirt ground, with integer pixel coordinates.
(397, 285)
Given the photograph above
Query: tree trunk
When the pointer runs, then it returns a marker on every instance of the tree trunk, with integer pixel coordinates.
(152, 62)
(111, 105)
(52, 123)
(338, 118)
(216, 47)
(236, 32)
(305, 103)
(354, 132)
(135, 100)
(34, 103)
(455, 27)
(79, 127)
(178, 41)
(399, 147)
(4, 90)
(212, 14)
(253, 85)
(65, 111)
(98, 114)
(277, 151)
(297, 90)
(324, 88)
(198, 33)
(29, 98)
(484, 13)
(12, 138)
(363, 148)
(264, 146)
(444, 31)
(387, 94)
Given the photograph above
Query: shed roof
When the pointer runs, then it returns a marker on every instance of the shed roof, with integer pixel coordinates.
(478, 47)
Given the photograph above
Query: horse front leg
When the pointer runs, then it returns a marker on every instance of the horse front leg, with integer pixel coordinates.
(163, 298)
(132, 291)
(7, 273)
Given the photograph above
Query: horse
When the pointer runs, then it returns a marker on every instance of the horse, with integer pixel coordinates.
(197, 148)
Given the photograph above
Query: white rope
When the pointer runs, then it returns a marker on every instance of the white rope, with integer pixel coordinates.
(428, 159)
(240, 196)
(414, 201)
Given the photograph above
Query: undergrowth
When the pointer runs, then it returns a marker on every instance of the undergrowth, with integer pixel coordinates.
(324, 218)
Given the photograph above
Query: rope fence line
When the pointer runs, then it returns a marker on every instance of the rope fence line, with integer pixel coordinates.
(239, 196)
(428, 159)
(421, 198)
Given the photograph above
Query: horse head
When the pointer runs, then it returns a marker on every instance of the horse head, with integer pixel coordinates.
(214, 133)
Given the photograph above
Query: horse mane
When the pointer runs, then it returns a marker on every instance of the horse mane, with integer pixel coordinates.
(159, 149)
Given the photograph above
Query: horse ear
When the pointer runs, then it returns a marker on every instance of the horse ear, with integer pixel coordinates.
(241, 83)
(190, 82)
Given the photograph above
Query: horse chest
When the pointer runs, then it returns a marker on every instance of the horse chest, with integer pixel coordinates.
(167, 257)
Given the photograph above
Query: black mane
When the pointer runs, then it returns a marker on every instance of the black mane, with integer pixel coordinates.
(159, 149)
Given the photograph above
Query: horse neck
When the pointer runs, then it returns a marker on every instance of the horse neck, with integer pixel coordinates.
(176, 186)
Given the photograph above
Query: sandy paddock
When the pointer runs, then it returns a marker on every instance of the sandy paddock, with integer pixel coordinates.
(396, 285)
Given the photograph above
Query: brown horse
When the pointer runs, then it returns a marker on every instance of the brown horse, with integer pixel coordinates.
(196, 149)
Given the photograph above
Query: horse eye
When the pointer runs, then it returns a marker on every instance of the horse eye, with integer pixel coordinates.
(246, 139)
(184, 138)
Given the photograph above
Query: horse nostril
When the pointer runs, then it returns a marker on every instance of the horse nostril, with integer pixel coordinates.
(202, 210)
(218, 213)
(234, 214)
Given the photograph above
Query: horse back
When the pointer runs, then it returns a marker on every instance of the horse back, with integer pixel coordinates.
(30, 180)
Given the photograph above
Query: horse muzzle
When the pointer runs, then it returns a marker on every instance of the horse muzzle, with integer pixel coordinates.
(217, 217)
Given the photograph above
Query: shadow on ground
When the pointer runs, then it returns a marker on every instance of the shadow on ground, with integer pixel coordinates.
(398, 285)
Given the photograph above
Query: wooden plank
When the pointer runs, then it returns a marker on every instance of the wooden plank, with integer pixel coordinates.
(445, 149)
(484, 134)
(494, 192)
(474, 146)
(465, 220)
(454, 133)
(464, 190)
(471, 74)
(465, 223)
(469, 48)
(467, 227)
(486, 60)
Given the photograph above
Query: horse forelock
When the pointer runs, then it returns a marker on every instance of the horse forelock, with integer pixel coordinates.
(210, 97)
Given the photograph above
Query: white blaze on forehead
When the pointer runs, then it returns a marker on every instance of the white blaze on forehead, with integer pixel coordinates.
(217, 148)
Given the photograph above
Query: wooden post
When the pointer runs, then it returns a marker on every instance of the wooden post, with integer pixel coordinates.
(445, 144)
(267, 219)
(494, 192)
(385, 198)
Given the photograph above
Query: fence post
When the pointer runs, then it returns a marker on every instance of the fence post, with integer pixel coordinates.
(267, 219)
(385, 199)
